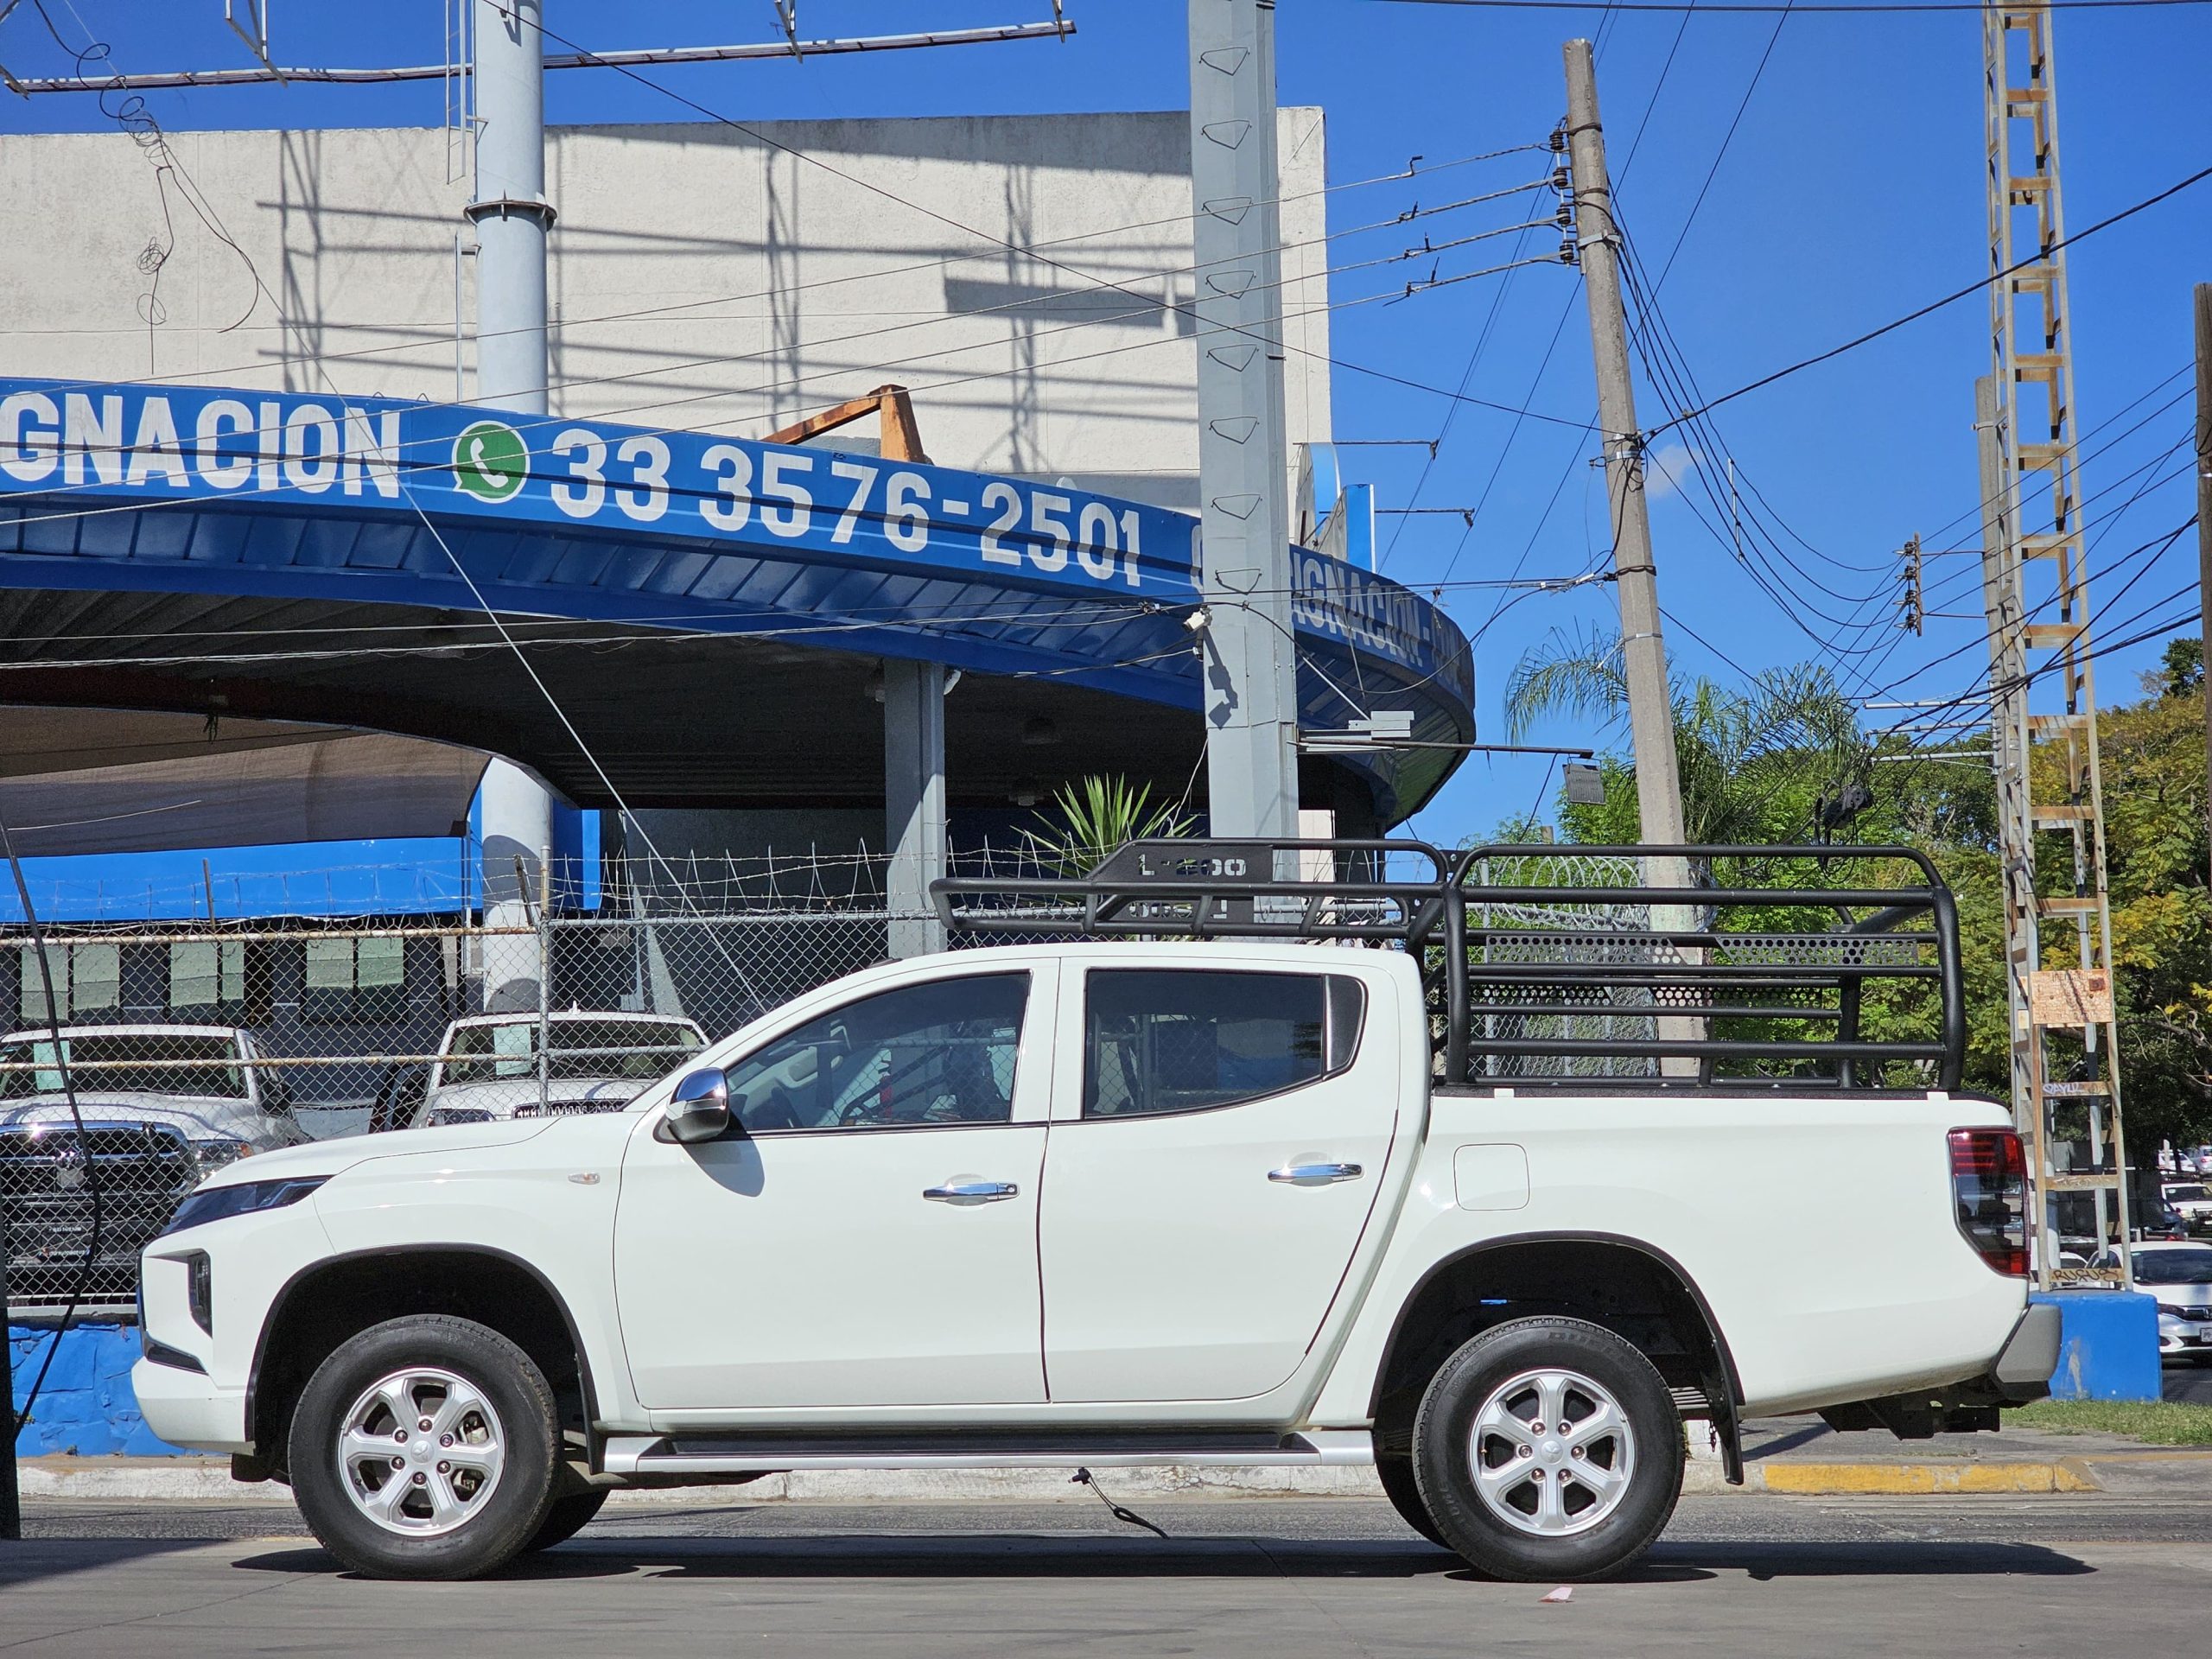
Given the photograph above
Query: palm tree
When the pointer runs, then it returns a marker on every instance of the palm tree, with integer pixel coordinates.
(1097, 817)
(1772, 762)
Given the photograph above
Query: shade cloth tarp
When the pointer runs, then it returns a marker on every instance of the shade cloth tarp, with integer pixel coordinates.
(95, 781)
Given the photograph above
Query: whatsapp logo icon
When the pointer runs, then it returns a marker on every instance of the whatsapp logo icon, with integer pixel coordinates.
(491, 461)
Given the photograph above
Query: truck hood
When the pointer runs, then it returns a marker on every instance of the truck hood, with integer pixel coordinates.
(195, 1117)
(324, 1159)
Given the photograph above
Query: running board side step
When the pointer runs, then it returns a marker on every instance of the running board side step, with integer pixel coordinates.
(643, 1458)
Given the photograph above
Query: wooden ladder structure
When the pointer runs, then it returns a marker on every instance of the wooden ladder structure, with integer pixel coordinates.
(2035, 579)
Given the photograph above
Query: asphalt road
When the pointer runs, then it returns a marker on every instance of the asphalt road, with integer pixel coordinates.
(2191, 1382)
(1736, 1576)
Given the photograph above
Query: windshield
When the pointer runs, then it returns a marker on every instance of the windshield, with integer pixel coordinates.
(152, 1062)
(644, 1049)
(2173, 1267)
(2184, 1194)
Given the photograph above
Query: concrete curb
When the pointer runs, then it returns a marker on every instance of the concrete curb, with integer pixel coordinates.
(208, 1481)
(1931, 1478)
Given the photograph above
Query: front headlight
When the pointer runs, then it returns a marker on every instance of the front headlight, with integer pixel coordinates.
(222, 1202)
(2172, 1312)
(219, 1154)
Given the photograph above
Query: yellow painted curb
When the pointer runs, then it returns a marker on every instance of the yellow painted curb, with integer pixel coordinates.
(1832, 1479)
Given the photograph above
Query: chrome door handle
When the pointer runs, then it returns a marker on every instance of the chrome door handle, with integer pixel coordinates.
(1315, 1174)
(971, 1192)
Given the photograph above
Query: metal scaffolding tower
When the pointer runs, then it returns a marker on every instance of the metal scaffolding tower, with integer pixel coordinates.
(2065, 1050)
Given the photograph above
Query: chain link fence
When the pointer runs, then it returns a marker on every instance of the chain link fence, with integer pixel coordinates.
(191, 1045)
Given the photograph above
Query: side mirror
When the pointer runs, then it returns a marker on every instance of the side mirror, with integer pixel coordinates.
(699, 1110)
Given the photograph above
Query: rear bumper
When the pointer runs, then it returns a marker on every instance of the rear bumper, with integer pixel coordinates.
(185, 1408)
(2020, 1373)
(2022, 1370)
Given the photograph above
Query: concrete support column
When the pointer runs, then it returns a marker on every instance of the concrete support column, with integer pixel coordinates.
(1251, 658)
(913, 800)
(518, 829)
(511, 217)
(510, 211)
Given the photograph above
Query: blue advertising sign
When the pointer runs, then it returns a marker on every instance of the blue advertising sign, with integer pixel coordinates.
(82, 448)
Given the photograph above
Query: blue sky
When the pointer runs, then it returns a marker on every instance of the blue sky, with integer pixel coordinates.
(1850, 194)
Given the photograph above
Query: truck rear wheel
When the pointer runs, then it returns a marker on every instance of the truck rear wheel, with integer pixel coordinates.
(425, 1447)
(1549, 1448)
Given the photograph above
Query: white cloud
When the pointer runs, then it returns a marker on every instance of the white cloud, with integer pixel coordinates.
(1667, 468)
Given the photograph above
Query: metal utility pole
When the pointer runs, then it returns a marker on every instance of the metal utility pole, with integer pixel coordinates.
(1644, 652)
(511, 217)
(12, 1506)
(2204, 514)
(1250, 651)
(2039, 623)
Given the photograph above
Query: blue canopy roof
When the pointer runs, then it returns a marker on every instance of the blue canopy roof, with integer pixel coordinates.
(173, 490)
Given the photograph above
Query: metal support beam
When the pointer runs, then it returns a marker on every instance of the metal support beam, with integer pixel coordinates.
(638, 57)
(913, 801)
(1251, 667)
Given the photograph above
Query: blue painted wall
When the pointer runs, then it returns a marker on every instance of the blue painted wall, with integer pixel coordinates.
(2107, 1346)
(87, 1407)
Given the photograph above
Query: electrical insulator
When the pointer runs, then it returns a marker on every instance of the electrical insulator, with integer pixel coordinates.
(1565, 217)
(1561, 179)
(1559, 140)
(1566, 254)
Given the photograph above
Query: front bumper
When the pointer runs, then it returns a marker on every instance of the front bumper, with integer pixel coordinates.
(185, 1408)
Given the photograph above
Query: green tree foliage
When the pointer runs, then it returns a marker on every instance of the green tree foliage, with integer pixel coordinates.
(1755, 764)
(1095, 818)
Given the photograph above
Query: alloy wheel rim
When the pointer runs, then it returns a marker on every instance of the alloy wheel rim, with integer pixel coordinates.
(1551, 1452)
(420, 1451)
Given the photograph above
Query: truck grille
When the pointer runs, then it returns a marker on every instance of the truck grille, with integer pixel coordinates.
(47, 1179)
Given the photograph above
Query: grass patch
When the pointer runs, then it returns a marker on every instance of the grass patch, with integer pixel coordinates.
(2157, 1422)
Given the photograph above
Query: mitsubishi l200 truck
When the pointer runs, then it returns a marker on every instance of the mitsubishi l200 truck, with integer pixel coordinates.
(1443, 1163)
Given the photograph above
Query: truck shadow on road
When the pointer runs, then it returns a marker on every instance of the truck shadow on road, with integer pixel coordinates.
(1013, 1556)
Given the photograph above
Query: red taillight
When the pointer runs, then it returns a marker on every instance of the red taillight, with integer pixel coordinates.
(1989, 1187)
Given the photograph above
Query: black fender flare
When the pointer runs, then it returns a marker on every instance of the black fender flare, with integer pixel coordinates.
(1726, 1401)
(278, 1304)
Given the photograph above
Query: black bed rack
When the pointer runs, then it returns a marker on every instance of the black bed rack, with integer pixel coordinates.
(1777, 979)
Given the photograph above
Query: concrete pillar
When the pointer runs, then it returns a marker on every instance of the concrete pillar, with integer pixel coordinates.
(511, 216)
(913, 800)
(1251, 658)
(518, 829)
(510, 211)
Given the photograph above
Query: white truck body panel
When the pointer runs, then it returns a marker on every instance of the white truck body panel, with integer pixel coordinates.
(1148, 1271)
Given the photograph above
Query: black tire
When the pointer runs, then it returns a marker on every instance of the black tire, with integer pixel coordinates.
(569, 1515)
(1401, 1486)
(514, 1504)
(1627, 1520)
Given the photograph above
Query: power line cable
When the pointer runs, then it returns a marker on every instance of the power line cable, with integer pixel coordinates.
(1972, 289)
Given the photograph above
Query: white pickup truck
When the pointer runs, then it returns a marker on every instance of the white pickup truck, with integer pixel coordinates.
(1146, 1200)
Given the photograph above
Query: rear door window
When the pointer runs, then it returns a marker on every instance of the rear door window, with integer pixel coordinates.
(1177, 1039)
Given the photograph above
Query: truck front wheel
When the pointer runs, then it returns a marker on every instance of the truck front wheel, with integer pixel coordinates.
(1549, 1448)
(425, 1447)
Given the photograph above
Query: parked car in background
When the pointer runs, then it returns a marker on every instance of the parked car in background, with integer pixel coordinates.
(2180, 1276)
(2192, 1200)
(595, 1061)
(2150, 1219)
(162, 1105)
